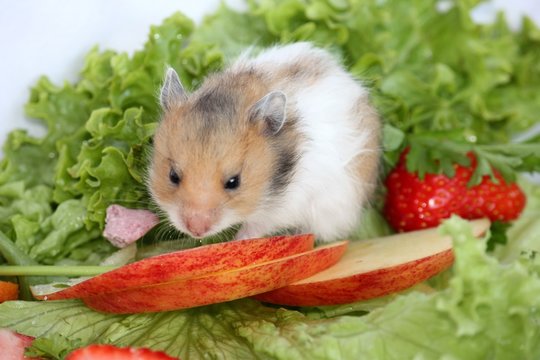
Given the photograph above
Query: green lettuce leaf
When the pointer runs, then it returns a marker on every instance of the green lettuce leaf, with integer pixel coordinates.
(489, 310)
(524, 234)
(56, 347)
(54, 190)
(444, 86)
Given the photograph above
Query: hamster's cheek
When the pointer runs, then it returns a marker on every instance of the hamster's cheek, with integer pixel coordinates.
(229, 217)
(174, 215)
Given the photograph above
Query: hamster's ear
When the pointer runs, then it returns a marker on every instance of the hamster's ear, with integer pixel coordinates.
(271, 111)
(172, 91)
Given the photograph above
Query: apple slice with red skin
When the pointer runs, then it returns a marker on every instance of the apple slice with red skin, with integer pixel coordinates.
(373, 268)
(220, 286)
(189, 263)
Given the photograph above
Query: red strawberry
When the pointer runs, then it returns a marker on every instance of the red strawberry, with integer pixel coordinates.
(502, 201)
(110, 352)
(413, 204)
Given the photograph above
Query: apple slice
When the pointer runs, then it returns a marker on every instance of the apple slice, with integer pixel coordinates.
(373, 268)
(220, 286)
(189, 263)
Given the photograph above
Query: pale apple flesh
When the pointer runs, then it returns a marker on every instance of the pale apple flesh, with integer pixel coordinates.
(189, 263)
(374, 268)
(219, 286)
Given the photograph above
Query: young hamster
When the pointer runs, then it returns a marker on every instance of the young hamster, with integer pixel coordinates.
(286, 140)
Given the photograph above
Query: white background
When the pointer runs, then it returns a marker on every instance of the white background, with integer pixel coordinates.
(52, 36)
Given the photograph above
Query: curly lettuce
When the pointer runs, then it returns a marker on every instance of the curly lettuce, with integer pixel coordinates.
(54, 190)
(443, 84)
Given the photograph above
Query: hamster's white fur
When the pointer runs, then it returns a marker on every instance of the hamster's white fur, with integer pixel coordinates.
(339, 149)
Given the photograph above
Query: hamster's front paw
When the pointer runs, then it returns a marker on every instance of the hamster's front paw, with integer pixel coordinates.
(248, 231)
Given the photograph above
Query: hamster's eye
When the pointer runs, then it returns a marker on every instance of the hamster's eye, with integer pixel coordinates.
(233, 183)
(174, 177)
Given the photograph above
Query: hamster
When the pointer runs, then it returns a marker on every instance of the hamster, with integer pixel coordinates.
(283, 141)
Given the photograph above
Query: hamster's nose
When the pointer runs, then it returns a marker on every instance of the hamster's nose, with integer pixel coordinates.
(199, 225)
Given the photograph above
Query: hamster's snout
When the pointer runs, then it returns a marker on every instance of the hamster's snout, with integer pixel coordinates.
(200, 222)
